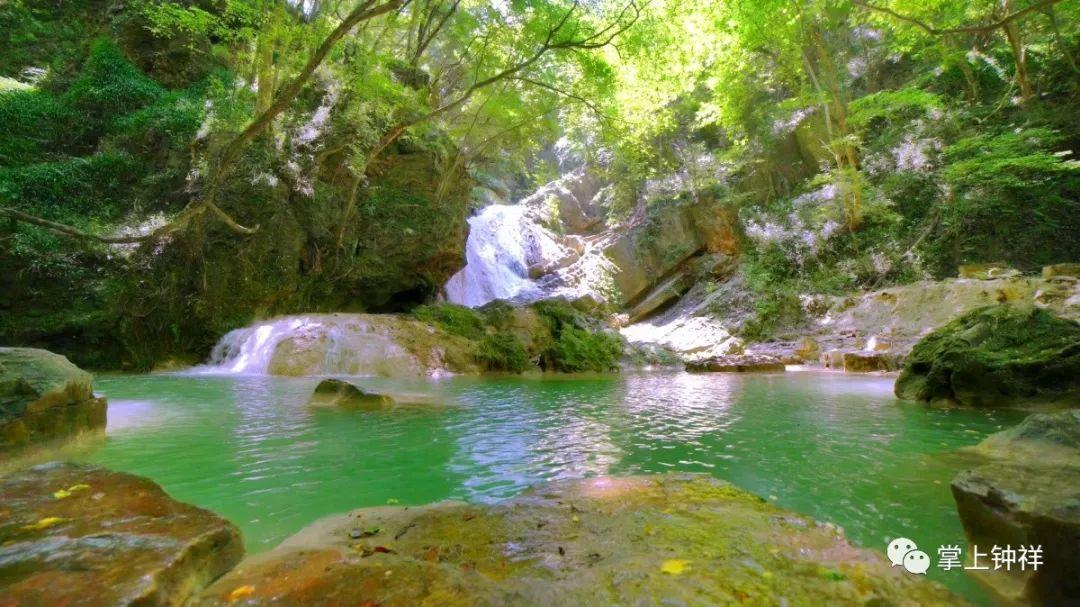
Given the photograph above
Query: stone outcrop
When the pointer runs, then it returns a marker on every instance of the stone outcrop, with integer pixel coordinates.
(746, 363)
(44, 399)
(1028, 494)
(680, 540)
(902, 315)
(345, 344)
(996, 356)
(81, 535)
(339, 394)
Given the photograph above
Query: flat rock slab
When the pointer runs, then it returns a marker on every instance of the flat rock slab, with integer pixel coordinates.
(81, 535)
(738, 364)
(673, 540)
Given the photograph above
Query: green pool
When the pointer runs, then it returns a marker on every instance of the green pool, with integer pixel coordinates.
(839, 448)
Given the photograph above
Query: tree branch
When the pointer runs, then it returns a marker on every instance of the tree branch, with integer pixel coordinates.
(974, 29)
(221, 165)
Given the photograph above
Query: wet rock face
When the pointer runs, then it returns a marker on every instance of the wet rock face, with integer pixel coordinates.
(44, 398)
(679, 540)
(1028, 494)
(996, 356)
(343, 395)
(81, 535)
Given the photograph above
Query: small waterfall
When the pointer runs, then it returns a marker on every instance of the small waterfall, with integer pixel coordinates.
(249, 350)
(504, 242)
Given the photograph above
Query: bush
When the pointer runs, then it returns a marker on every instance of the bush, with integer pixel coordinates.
(577, 350)
(503, 352)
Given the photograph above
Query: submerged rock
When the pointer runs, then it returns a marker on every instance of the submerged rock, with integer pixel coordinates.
(44, 398)
(1028, 495)
(679, 540)
(746, 363)
(343, 395)
(996, 356)
(82, 535)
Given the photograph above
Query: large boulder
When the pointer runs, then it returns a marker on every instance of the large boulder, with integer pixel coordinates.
(996, 356)
(1028, 494)
(81, 535)
(674, 539)
(44, 398)
(335, 393)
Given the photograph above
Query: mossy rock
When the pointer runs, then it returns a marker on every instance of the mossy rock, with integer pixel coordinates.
(44, 398)
(343, 395)
(657, 540)
(1000, 355)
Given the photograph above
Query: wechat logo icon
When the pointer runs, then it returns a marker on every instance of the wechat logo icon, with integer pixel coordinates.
(905, 553)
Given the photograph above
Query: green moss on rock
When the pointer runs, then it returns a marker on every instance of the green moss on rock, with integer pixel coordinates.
(996, 356)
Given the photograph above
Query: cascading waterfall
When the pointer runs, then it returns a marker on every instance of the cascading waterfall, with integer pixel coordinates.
(504, 242)
(249, 350)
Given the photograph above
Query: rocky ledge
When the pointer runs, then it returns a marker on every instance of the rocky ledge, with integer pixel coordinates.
(81, 535)
(43, 399)
(1027, 493)
(632, 541)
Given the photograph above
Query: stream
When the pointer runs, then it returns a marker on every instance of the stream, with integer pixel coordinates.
(837, 447)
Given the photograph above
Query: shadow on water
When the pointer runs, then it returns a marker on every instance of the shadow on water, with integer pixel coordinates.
(839, 448)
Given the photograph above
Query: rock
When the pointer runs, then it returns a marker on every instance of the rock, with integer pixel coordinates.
(986, 271)
(345, 344)
(343, 395)
(663, 294)
(82, 535)
(996, 356)
(833, 358)
(907, 313)
(867, 362)
(1061, 269)
(1029, 495)
(808, 349)
(748, 363)
(44, 398)
(679, 540)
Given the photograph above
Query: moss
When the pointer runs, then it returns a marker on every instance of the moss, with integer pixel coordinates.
(503, 352)
(452, 318)
(996, 355)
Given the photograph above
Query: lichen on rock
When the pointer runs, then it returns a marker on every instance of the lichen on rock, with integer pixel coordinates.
(678, 539)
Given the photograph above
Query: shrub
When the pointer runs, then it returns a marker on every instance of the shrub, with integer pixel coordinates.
(503, 351)
(577, 350)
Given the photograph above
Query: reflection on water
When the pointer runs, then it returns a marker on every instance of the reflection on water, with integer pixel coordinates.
(839, 448)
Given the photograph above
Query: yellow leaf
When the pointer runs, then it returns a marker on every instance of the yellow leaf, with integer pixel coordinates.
(241, 592)
(674, 566)
(44, 523)
(61, 494)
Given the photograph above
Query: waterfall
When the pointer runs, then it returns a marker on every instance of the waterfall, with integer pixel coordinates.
(249, 350)
(504, 243)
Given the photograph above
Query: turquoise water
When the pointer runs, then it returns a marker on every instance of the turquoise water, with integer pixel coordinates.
(839, 448)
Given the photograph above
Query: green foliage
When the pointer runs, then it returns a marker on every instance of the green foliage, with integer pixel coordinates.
(452, 318)
(109, 87)
(577, 350)
(503, 351)
(896, 106)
